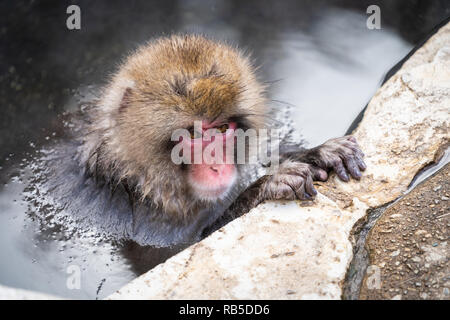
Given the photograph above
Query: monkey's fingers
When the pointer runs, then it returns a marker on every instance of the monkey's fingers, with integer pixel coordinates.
(304, 189)
(284, 192)
(300, 187)
(309, 187)
(357, 154)
(280, 188)
(339, 168)
(352, 167)
(353, 144)
(318, 174)
(355, 151)
(361, 164)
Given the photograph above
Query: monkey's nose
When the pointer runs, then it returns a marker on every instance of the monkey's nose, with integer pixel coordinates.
(214, 169)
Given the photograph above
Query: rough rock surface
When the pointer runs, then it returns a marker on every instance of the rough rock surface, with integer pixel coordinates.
(302, 250)
(409, 246)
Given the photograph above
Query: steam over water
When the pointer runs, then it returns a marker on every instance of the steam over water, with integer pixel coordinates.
(319, 59)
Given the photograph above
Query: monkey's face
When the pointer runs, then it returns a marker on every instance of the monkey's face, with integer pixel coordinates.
(170, 85)
(210, 162)
(208, 117)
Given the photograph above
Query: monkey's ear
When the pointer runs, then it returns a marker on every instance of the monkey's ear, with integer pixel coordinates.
(125, 100)
(117, 95)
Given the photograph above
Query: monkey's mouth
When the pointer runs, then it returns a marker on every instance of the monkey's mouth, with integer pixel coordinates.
(212, 182)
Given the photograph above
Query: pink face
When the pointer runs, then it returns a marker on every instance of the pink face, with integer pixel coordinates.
(214, 176)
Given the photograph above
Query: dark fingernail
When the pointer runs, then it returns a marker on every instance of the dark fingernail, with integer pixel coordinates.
(344, 176)
(363, 165)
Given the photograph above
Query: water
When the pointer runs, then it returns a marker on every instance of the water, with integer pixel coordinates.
(318, 56)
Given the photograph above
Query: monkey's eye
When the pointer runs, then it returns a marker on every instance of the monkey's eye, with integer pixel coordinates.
(194, 134)
(223, 128)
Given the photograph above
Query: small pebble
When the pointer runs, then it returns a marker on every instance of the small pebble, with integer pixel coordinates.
(395, 253)
(290, 292)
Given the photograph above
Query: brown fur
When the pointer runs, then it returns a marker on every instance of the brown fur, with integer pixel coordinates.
(166, 85)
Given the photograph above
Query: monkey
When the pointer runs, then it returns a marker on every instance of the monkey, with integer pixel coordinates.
(120, 177)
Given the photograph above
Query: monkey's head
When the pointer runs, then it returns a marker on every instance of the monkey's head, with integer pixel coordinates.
(167, 85)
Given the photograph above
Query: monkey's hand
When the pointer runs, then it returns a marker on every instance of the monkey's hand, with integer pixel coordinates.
(295, 176)
(342, 155)
(293, 180)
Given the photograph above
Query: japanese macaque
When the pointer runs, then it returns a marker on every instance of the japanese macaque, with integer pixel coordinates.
(124, 152)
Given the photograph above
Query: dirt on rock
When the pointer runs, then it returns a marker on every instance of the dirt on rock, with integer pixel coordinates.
(409, 246)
